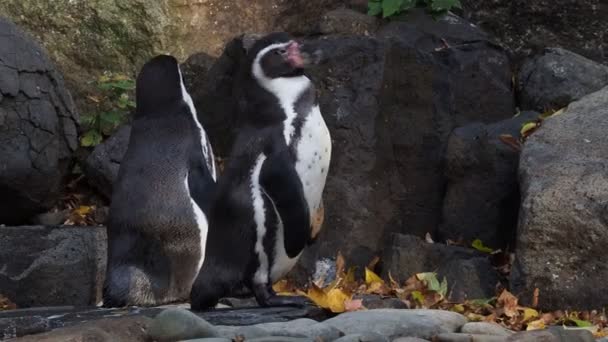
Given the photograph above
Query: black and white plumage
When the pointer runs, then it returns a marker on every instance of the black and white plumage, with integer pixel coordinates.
(272, 186)
(157, 226)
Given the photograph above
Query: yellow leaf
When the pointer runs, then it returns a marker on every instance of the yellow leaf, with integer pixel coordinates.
(530, 314)
(536, 325)
(528, 127)
(458, 308)
(283, 288)
(418, 296)
(371, 277)
(317, 295)
(473, 317)
(336, 299)
(83, 210)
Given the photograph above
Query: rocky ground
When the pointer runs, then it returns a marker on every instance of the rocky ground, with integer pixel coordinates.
(267, 325)
(480, 158)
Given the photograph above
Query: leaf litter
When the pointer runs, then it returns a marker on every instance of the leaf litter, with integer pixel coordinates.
(426, 291)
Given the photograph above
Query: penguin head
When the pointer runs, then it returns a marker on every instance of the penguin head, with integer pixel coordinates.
(159, 86)
(277, 55)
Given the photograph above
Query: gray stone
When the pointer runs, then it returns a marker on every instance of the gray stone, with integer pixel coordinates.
(209, 339)
(553, 334)
(62, 265)
(281, 339)
(378, 302)
(461, 337)
(131, 329)
(246, 332)
(409, 339)
(101, 167)
(364, 337)
(563, 221)
(557, 77)
(179, 324)
(302, 327)
(394, 323)
(37, 128)
(485, 329)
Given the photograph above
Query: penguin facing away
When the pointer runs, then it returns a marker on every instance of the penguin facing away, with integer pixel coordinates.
(269, 199)
(157, 226)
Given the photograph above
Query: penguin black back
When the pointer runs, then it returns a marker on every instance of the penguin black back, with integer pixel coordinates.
(157, 227)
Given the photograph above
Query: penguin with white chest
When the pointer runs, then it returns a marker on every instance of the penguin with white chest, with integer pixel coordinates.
(157, 226)
(269, 199)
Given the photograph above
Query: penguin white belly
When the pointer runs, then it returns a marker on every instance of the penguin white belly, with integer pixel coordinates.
(282, 262)
(314, 154)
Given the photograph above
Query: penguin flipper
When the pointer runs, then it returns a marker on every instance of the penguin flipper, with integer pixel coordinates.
(282, 184)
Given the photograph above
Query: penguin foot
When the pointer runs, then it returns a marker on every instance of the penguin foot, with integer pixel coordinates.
(265, 296)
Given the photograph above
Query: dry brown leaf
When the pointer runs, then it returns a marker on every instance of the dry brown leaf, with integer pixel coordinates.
(340, 264)
(372, 264)
(535, 298)
(508, 302)
(353, 305)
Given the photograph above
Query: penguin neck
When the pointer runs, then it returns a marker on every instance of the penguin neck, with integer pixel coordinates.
(286, 90)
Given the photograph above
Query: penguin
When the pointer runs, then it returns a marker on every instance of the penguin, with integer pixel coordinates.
(269, 204)
(157, 224)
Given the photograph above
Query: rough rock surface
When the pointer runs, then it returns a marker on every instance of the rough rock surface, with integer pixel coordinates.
(104, 330)
(101, 166)
(482, 178)
(42, 266)
(556, 77)
(120, 36)
(469, 273)
(394, 323)
(525, 26)
(563, 221)
(37, 128)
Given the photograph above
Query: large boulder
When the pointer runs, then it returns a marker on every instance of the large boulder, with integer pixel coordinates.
(390, 102)
(436, 76)
(44, 266)
(102, 165)
(563, 221)
(37, 128)
(528, 25)
(88, 37)
(556, 77)
(482, 178)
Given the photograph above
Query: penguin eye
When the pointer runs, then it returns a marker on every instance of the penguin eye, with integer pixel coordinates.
(280, 51)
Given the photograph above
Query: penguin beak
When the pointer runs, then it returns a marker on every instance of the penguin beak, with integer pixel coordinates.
(294, 55)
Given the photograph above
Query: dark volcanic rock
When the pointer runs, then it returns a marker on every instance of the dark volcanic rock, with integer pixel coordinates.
(101, 166)
(52, 265)
(428, 90)
(482, 196)
(525, 25)
(563, 221)
(390, 102)
(406, 255)
(37, 128)
(473, 278)
(556, 77)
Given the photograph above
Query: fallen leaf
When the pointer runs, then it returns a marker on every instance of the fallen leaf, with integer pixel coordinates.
(336, 299)
(528, 128)
(371, 277)
(529, 314)
(340, 264)
(536, 325)
(508, 302)
(418, 296)
(478, 245)
(510, 141)
(535, 297)
(372, 264)
(353, 305)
